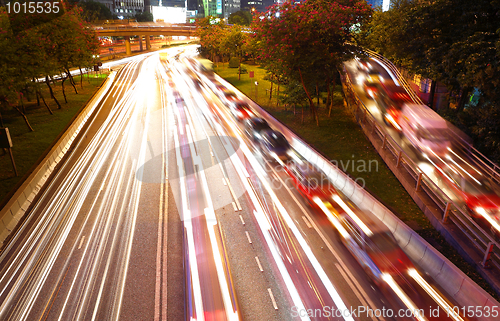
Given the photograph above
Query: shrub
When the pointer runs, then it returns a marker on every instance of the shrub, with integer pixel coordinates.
(234, 62)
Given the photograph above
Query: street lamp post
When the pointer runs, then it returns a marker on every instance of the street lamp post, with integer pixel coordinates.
(97, 64)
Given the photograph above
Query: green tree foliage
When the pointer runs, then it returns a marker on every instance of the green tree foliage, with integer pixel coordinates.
(241, 17)
(94, 11)
(144, 17)
(234, 62)
(307, 42)
(232, 41)
(9, 74)
(38, 46)
(210, 31)
(219, 39)
(456, 43)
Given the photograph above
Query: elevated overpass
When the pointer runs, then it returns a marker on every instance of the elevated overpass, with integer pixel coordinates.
(144, 30)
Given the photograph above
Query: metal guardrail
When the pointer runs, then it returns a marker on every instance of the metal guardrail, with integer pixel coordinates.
(451, 211)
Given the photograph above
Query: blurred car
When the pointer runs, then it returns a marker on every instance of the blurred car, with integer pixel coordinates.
(178, 98)
(309, 181)
(240, 111)
(215, 85)
(228, 96)
(373, 76)
(480, 195)
(372, 89)
(255, 126)
(364, 65)
(275, 145)
(372, 244)
(397, 94)
(390, 111)
(390, 101)
(225, 95)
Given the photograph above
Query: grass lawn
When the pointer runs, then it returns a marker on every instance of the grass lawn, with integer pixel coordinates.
(29, 146)
(343, 142)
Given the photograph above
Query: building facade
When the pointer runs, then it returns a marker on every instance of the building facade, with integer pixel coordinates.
(127, 8)
(231, 6)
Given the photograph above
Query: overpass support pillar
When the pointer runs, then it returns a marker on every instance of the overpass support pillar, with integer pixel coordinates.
(140, 43)
(148, 42)
(127, 46)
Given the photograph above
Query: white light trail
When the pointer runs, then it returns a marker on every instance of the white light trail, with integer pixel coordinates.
(286, 217)
(434, 295)
(406, 300)
(186, 216)
(331, 218)
(353, 215)
(463, 160)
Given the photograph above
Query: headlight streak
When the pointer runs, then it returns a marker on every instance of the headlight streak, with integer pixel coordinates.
(265, 228)
(437, 167)
(211, 218)
(353, 215)
(404, 298)
(127, 72)
(78, 197)
(463, 160)
(396, 82)
(463, 170)
(211, 221)
(66, 192)
(9, 245)
(332, 218)
(342, 267)
(136, 194)
(305, 247)
(393, 121)
(387, 277)
(434, 295)
(487, 217)
(438, 157)
(261, 220)
(133, 204)
(186, 216)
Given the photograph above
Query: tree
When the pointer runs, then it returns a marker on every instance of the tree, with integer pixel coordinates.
(211, 32)
(10, 78)
(310, 39)
(144, 17)
(232, 43)
(456, 43)
(445, 40)
(243, 18)
(94, 11)
(44, 45)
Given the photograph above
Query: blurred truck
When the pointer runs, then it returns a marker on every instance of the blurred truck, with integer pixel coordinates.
(425, 129)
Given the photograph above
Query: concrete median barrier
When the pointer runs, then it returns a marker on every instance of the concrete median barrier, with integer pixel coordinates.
(16, 207)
